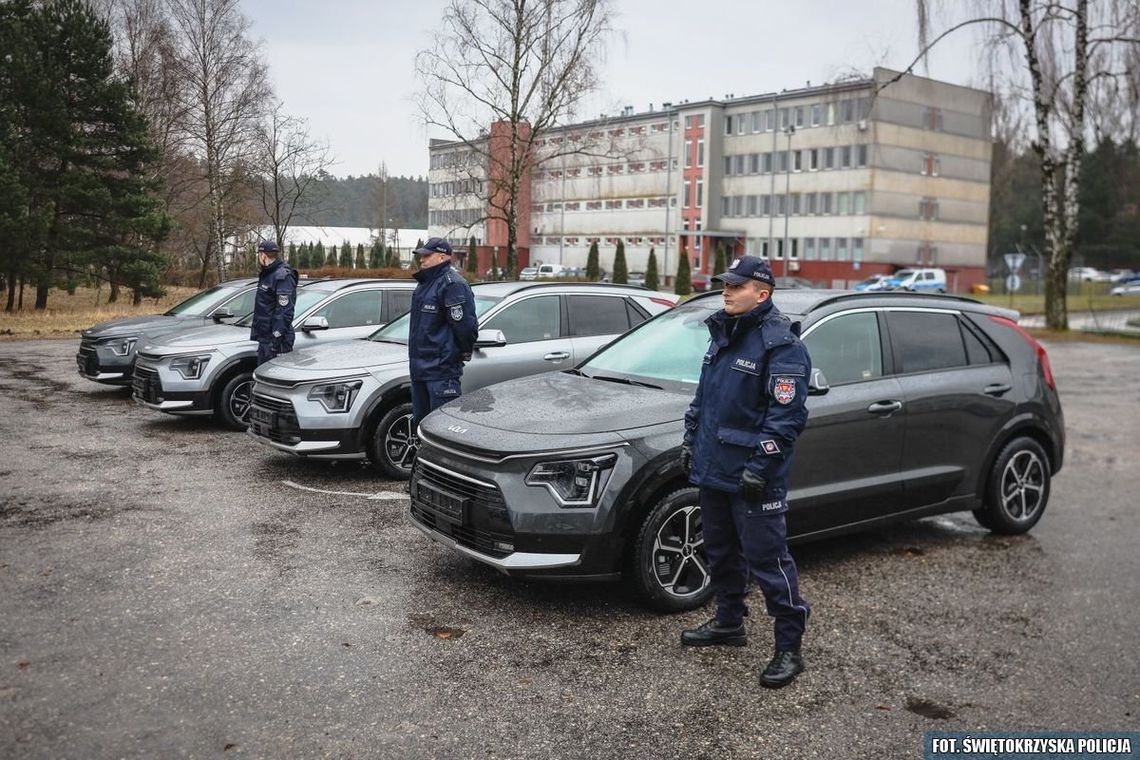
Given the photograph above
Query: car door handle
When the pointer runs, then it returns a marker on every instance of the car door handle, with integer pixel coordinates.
(556, 356)
(996, 389)
(884, 407)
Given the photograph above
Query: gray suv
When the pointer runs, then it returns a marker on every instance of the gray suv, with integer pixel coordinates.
(919, 405)
(209, 370)
(352, 400)
(107, 351)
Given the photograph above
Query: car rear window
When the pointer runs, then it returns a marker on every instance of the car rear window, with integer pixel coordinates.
(597, 315)
(925, 341)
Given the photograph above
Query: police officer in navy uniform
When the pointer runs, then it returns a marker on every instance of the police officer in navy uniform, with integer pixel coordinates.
(272, 325)
(740, 432)
(442, 331)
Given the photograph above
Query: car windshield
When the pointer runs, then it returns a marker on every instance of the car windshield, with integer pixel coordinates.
(306, 299)
(872, 279)
(396, 331)
(902, 274)
(670, 347)
(200, 303)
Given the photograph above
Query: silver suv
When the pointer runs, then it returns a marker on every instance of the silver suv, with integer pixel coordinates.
(351, 400)
(209, 370)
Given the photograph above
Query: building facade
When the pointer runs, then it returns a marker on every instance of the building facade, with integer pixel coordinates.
(831, 183)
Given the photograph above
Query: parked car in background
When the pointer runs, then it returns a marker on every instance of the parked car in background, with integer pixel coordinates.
(701, 282)
(209, 370)
(550, 271)
(918, 280)
(637, 279)
(529, 273)
(873, 283)
(1088, 274)
(352, 399)
(793, 283)
(1122, 275)
(918, 405)
(1127, 288)
(107, 351)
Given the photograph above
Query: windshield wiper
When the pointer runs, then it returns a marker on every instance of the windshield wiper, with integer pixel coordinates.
(624, 381)
(387, 340)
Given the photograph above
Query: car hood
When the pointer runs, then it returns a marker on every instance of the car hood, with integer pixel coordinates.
(211, 336)
(561, 403)
(116, 328)
(331, 358)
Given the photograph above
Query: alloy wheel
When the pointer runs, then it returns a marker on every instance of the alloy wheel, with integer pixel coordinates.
(1023, 486)
(679, 562)
(399, 444)
(240, 399)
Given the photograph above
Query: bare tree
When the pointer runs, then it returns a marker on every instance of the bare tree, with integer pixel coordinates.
(225, 88)
(289, 166)
(1062, 59)
(501, 75)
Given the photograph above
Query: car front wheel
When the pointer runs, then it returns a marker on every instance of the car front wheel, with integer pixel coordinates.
(233, 401)
(1018, 488)
(392, 445)
(666, 565)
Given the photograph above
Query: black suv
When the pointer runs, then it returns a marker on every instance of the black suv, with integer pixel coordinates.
(919, 405)
(107, 351)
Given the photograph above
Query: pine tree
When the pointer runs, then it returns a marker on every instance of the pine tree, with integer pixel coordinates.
(292, 256)
(345, 255)
(302, 261)
(720, 265)
(393, 258)
(361, 263)
(684, 284)
(319, 259)
(621, 271)
(374, 256)
(651, 271)
(593, 268)
(472, 259)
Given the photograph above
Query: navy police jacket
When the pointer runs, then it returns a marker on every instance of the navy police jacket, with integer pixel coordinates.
(273, 305)
(749, 406)
(443, 324)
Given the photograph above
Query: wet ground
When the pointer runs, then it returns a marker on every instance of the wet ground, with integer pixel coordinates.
(164, 592)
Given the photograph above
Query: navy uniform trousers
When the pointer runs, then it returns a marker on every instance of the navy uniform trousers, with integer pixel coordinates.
(729, 522)
(429, 395)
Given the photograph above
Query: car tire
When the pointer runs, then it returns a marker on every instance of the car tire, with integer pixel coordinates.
(1017, 490)
(233, 401)
(389, 445)
(663, 556)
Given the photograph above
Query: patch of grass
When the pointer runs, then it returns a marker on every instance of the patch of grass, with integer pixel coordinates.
(1085, 336)
(1031, 304)
(66, 315)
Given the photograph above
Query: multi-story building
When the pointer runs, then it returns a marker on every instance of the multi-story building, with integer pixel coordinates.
(832, 183)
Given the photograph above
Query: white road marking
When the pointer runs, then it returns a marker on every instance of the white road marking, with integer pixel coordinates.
(378, 496)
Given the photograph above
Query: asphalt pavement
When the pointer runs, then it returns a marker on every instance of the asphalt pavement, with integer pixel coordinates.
(169, 589)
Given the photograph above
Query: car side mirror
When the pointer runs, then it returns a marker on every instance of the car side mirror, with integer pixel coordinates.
(817, 384)
(222, 314)
(490, 339)
(314, 323)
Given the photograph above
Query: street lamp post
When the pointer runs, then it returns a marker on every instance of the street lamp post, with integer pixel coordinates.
(789, 131)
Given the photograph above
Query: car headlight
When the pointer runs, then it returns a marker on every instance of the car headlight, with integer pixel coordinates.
(122, 346)
(573, 482)
(335, 397)
(190, 367)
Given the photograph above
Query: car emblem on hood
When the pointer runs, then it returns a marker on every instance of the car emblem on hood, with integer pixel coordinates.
(457, 429)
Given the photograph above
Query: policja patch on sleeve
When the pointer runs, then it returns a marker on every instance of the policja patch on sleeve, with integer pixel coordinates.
(784, 389)
(283, 300)
(456, 312)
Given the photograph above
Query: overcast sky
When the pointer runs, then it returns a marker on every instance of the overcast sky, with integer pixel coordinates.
(347, 65)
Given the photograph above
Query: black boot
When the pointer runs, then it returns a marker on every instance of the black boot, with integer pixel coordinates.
(712, 633)
(783, 669)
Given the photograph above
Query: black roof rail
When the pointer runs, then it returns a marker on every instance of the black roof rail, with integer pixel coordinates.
(527, 285)
(892, 294)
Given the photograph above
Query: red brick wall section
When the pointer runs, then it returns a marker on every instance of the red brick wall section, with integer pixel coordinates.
(499, 147)
(692, 212)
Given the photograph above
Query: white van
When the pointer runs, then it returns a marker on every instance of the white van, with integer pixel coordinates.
(547, 271)
(929, 280)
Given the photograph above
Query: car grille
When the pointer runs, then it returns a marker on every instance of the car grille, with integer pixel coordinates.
(485, 522)
(86, 358)
(274, 419)
(147, 385)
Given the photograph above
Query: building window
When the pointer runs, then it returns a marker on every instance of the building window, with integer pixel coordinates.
(700, 192)
(861, 156)
(725, 205)
(688, 152)
(841, 248)
(741, 124)
(813, 159)
(810, 206)
(931, 165)
(701, 151)
(613, 204)
(825, 203)
(687, 194)
(782, 161)
(858, 203)
(795, 204)
(738, 205)
(928, 209)
(784, 115)
(728, 125)
(809, 249)
(754, 163)
(847, 111)
(799, 116)
(757, 121)
(766, 164)
(728, 166)
(932, 118)
(697, 244)
(857, 249)
(770, 121)
(765, 205)
(842, 201)
(829, 158)
(816, 115)
(797, 160)
(845, 156)
(738, 164)
(825, 249)
(794, 251)
(781, 205)
(753, 205)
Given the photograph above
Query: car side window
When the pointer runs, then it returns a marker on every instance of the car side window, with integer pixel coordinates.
(399, 301)
(597, 315)
(977, 352)
(538, 318)
(925, 341)
(847, 349)
(241, 304)
(353, 310)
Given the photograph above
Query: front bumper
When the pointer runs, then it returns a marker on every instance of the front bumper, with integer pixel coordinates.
(150, 390)
(99, 363)
(286, 420)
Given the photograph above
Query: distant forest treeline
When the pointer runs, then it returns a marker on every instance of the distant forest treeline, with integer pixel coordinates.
(359, 202)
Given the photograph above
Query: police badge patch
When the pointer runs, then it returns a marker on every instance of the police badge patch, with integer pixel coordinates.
(283, 300)
(784, 390)
(457, 312)
(770, 447)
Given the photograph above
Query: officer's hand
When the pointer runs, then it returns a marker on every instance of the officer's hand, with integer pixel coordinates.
(752, 486)
(466, 358)
(686, 458)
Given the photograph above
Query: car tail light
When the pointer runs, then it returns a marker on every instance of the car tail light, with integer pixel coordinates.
(663, 302)
(1042, 356)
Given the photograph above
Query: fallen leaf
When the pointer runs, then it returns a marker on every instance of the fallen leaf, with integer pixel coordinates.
(229, 746)
(22, 664)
